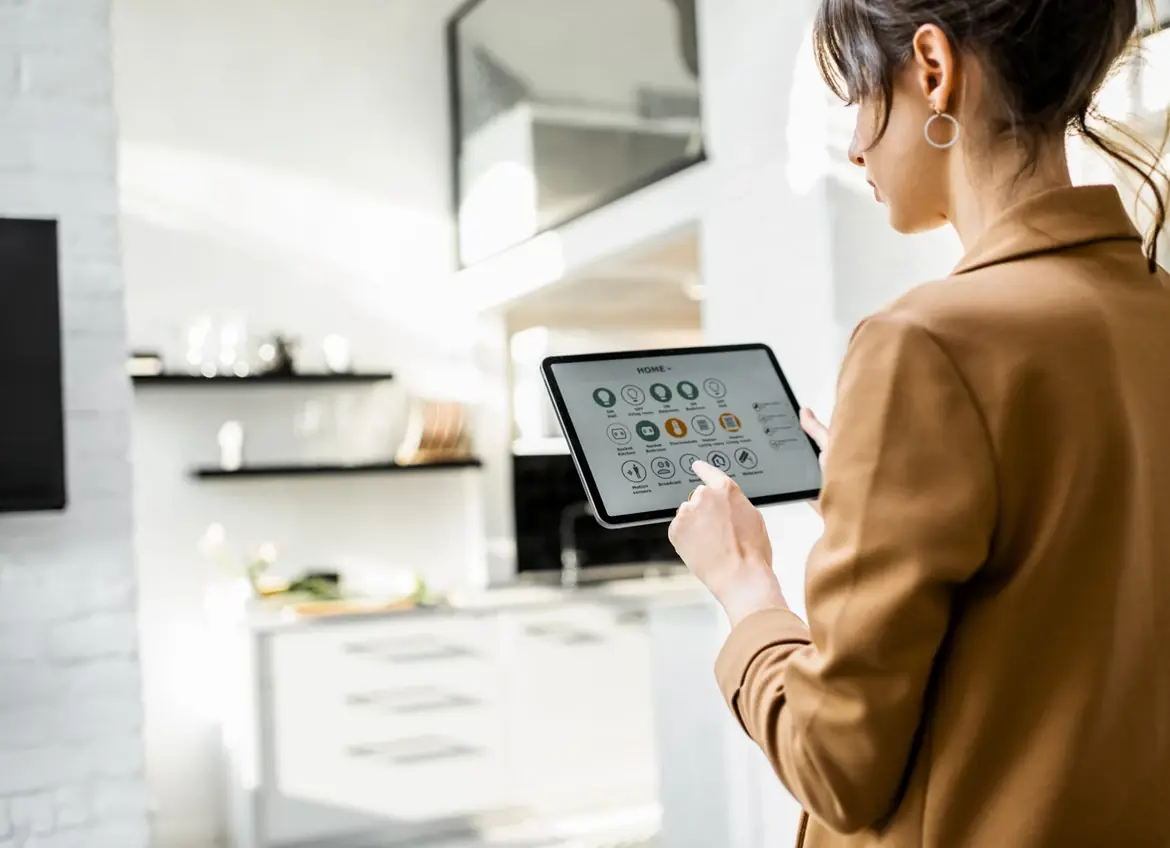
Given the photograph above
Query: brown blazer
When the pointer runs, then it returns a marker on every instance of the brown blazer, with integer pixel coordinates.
(987, 660)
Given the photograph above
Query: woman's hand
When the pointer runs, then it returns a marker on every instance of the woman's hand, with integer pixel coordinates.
(721, 537)
(819, 433)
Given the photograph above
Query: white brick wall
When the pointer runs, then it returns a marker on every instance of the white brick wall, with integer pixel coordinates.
(71, 754)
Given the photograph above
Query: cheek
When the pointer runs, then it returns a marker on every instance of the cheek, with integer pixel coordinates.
(864, 129)
(896, 160)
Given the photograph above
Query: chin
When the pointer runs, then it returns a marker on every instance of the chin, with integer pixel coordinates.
(913, 224)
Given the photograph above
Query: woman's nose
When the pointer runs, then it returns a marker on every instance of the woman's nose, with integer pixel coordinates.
(856, 156)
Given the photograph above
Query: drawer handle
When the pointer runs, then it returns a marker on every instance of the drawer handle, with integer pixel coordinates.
(414, 650)
(418, 699)
(416, 750)
(563, 634)
(631, 618)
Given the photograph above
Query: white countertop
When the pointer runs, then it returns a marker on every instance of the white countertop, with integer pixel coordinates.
(677, 588)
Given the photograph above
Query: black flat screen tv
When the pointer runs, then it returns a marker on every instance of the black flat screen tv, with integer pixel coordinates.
(32, 425)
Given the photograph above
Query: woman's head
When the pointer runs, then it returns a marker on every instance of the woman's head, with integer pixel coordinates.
(1015, 75)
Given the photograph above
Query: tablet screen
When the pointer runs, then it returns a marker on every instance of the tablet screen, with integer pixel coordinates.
(636, 423)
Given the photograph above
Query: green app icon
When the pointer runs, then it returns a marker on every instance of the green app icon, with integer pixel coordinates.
(648, 431)
(688, 390)
(604, 397)
(661, 393)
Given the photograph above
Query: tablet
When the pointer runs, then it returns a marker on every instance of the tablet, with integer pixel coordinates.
(637, 421)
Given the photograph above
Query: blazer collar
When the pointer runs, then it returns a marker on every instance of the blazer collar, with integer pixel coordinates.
(1055, 220)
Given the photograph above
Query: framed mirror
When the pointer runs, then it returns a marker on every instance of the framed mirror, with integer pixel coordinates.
(560, 107)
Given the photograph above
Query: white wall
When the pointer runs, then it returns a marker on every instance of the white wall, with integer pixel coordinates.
(71, 763)
(285, 162)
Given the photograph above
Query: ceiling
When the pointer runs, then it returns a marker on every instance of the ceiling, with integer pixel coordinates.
(652, 287)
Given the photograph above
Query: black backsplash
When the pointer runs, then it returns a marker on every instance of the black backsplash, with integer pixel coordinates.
(545, 486)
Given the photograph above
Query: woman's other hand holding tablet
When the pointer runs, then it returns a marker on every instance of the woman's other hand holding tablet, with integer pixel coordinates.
(721, 537)
(819, 433)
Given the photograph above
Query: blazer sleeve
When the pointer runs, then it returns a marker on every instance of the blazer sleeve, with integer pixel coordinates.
(909, 504)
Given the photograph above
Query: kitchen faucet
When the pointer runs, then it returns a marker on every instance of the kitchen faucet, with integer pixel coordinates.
(571, 555)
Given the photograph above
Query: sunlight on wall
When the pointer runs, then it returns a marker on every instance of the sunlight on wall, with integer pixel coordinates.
(499, 210)
(808, 123)
(506, 276)
(323, 224)
(819, 131)
(1155, 95)
(529, 398)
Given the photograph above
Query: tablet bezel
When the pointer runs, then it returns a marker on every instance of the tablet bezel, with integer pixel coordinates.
(578, 454)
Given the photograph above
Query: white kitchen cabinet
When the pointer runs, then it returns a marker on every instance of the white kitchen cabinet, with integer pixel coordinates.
(402, 722)
(410, 725)
(580, 724)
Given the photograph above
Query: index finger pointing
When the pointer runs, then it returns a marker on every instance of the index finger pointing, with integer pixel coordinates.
(710, 475)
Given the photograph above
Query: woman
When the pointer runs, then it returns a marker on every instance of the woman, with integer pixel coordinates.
(987, 658)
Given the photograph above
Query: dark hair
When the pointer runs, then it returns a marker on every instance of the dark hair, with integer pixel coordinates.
(1046, 60)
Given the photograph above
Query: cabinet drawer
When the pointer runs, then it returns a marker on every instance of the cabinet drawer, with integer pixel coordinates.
(413, 777)
(354, 726)
(353, 659)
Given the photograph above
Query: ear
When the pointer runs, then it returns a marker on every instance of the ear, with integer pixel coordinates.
(935, 66)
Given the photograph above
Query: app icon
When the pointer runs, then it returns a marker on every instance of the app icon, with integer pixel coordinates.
(715, 388)
(703, 425)
(746, 458)
(633, 471)
(663, 467)
(688, 390)
(687, 462)
(648, 431)
(633, 395)
(604, 397)
(619, 433)
(676, 427)
(729, 422)
(661, 393)
(719, 460)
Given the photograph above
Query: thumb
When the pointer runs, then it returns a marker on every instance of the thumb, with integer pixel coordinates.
(817, 431)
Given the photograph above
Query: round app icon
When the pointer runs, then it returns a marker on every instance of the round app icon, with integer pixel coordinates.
(676, 427)
(663, 467)
(703, 425)
(661, 393)
(729, 422)
(633, 395)
(648, 431)
(605, 398)
(715, 388)
(687, 463)
(746, 458)
(719, 460)
(633, 471)
(688, 390)
(619, 434)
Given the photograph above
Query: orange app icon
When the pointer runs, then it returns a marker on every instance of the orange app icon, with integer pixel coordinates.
(676, 427)
(729, 422)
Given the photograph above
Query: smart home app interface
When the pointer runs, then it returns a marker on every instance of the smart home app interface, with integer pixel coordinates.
(642, 423)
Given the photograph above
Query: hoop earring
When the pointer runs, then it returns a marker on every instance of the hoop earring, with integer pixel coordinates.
(946, 116)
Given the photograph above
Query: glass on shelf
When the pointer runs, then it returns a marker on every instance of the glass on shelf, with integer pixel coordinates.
(217, 346)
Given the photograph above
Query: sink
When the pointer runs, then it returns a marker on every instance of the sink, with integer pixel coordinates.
(511, 596)
(646, 586)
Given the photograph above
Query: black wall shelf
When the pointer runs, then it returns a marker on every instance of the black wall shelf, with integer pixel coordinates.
(195, 381)
(330, 470)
